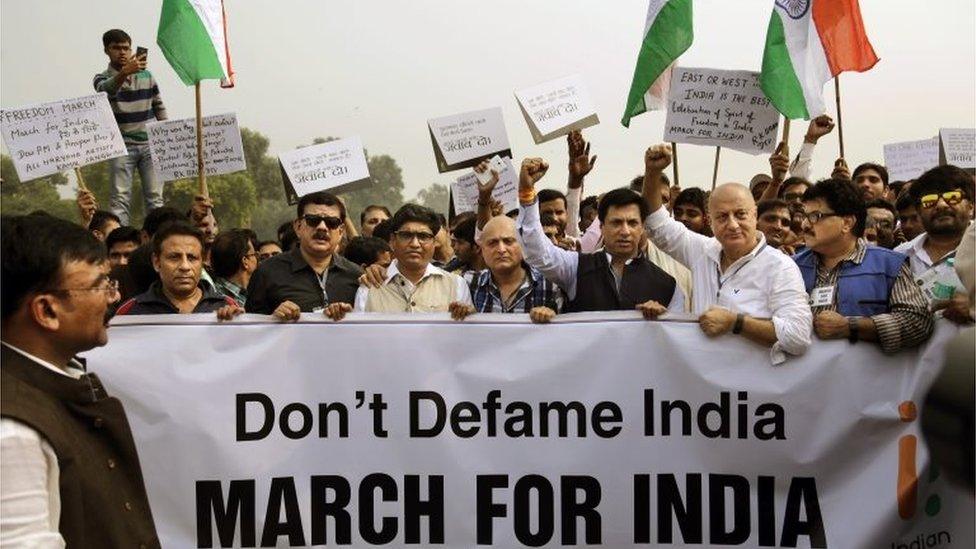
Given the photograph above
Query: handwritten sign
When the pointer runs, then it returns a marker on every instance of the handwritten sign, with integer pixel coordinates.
(720, 108)
(336, 166)
(910, 159)
(463, 140)
(173, 145)
(555, 108)
(48, 138)
(465, 188)
(959, 146)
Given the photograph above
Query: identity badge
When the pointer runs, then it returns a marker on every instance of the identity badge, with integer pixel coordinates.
(822, 296)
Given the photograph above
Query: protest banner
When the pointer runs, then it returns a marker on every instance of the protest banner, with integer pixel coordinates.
(335, 166)
(464, 190)
(173, 145)
(463, 140)
(721, 108)
(555, 108)
(600, 428)
(48, 138)
(958, 147)
(910, 159)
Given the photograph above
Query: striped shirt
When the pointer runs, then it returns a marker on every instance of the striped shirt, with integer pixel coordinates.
(134, 103)
(535, 291)
(908, 322)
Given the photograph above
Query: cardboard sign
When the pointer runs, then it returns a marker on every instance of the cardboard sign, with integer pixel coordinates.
(555, 108)
(336, 166)
(173, 145)
(720, 108)
(48, 138)
(910, 159)
(465, 189)
(463, 140)
(959, 146)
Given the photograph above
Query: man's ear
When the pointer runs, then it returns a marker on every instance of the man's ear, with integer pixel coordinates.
(43, 309)
(155, 262)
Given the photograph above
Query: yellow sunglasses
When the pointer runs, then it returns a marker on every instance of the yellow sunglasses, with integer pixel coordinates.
(951, 198)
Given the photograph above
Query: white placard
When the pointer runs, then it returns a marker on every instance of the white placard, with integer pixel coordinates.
(959, 145)
(48, 138)
(463, 140)
(720, 108)
(555, 108)
(336, 166)
(280, 432)
(910, 159)
(173, 144)
(465, 189)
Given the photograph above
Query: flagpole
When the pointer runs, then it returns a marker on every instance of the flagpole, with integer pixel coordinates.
(786, 131)
(81, 180)
(718, 152)
(840, 123)
(674, 165)
(201, 175)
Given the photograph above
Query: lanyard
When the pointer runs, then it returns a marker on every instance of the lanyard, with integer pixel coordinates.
(718, 272)
(322, 279)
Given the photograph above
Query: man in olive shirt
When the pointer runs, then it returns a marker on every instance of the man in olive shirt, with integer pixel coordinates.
(312, 275)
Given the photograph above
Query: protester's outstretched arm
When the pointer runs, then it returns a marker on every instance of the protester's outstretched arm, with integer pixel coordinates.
(656, 159)
(778, 163)
(819, 127)
(669, 235)
(580, 165)
(87, 205)
(486, 203)
(557, 265)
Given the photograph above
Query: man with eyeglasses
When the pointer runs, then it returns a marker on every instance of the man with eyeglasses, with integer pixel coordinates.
(943, 198)
(411, 283)
(70, 469)
(312, 275)
(857, 292)
(879, 228)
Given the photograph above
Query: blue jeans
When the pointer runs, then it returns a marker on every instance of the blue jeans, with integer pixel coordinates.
(121, 182)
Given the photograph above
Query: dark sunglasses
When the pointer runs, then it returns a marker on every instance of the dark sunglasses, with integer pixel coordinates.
(313, 221)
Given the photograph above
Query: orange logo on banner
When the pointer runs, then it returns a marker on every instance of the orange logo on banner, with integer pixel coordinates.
(908, 473)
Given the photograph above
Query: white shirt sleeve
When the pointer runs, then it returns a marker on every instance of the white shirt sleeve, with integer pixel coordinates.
(590, 241)
(462, 292)
(555, 263)
(361, 294)
(804, 159)
(30, 508)
(792, 318)
(677, 304)
(676, 240)
(573, 197)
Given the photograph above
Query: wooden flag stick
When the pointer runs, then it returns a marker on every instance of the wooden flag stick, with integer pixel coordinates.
(81, 180)
(201, 175)
(840, 123)
(718, 152)
(674, 164)
(786, 130)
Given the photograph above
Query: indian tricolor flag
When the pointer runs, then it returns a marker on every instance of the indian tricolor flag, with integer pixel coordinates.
(808, 43)
(193, 37)
(667, 34)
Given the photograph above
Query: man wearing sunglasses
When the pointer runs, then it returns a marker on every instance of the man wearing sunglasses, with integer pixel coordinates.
(70, 468)
(857, 292)
(312, 275)
(943, 198)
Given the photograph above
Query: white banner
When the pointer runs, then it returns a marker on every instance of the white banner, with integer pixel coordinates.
(173, 145)
(599, 429)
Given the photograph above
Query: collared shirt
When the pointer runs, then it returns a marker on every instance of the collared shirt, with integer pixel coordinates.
(535, 291)
(30, 510)
(288, 277)
(918, 258)
(907, 325)
(765, 283)
(405, 288)
(559, 265)
(231, 290)
(154, 302)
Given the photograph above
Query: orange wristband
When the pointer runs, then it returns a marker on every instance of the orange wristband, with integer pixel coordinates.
(527, 197)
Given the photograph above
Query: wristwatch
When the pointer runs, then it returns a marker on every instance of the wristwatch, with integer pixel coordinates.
(740, 319)
(852, 328)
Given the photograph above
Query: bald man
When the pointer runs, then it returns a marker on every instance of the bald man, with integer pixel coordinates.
(509, 284)
(741, 285)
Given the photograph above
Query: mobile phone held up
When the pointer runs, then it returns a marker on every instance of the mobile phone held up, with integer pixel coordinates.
(142, 52)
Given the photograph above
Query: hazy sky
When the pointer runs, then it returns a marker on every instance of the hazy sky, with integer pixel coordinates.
(380, 69)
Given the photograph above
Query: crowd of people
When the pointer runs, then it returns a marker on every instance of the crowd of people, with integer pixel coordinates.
(781, 261)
